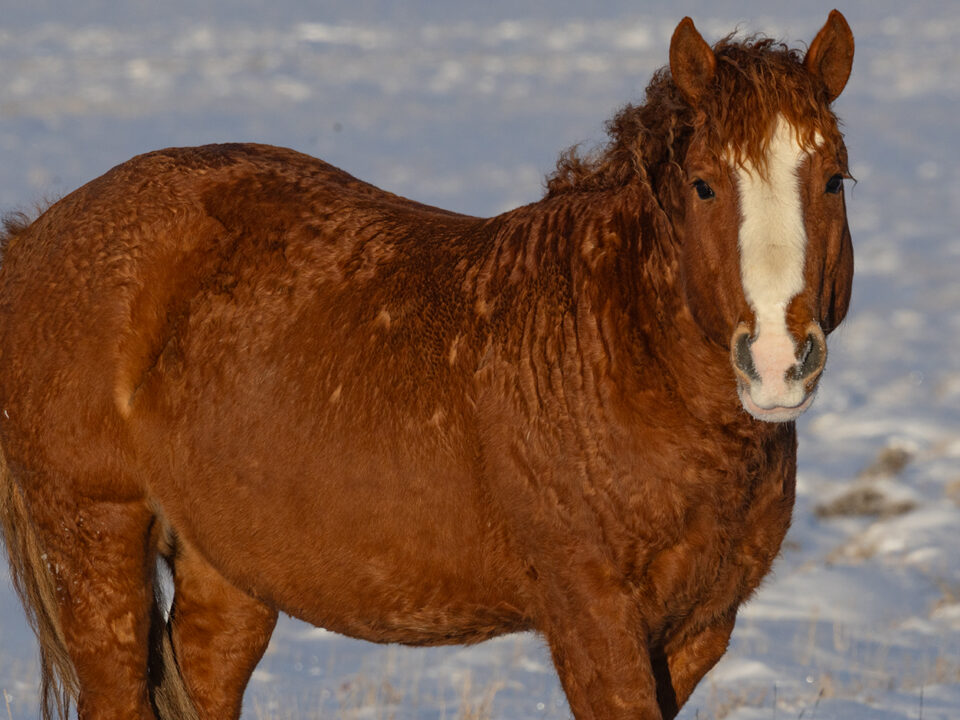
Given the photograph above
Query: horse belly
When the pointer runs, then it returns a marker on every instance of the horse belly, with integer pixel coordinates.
(371, 543)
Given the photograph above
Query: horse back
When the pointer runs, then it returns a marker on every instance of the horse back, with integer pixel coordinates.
(111, 272)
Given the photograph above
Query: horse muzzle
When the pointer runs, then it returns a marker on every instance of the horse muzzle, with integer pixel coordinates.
(776, 380)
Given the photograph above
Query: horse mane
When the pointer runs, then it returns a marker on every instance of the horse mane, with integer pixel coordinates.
(757, 80)
(11, 225)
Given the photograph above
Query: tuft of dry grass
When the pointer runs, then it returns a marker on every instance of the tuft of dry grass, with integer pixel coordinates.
(952, 490)
(723, 701)
(480, 708)
(864, 500)
(890, 462)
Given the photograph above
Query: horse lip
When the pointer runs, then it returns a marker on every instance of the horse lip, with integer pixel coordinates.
(775, 413)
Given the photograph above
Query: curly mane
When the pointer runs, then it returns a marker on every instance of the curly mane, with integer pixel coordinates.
(757, 79)
(11, 225)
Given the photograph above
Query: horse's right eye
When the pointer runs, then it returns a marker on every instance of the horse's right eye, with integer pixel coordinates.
(704, 191)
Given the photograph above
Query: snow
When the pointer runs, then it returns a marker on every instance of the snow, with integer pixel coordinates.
(466, 105)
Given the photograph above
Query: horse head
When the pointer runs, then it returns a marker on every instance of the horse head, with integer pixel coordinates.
(758, 206)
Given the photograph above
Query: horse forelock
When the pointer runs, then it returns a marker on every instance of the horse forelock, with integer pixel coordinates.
(758, 81)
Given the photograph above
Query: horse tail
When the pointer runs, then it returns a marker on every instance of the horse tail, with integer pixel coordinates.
(168, 689)
(35, 584)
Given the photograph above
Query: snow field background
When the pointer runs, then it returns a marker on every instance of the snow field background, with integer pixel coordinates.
(467, 106)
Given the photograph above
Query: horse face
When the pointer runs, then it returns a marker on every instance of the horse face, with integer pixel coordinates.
(767, 258)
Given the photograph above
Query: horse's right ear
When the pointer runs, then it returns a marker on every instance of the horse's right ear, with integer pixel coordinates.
(830, 56)
(692, 62)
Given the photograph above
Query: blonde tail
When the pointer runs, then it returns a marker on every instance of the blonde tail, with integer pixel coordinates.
(36, 587)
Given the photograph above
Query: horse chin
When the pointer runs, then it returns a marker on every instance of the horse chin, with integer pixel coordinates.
(776, 413)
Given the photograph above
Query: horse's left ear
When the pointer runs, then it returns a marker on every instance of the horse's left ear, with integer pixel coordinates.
(830, 56)
(692, 63)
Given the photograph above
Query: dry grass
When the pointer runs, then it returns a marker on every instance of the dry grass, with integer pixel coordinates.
(876, 667)
(723, 701)
(890, 462)
(864, 500)
(952, 490)
(364, 698)
(477, 708)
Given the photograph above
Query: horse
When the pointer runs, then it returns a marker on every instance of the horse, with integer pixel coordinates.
(307, 395)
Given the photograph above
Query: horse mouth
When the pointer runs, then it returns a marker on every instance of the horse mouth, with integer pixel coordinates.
(777, 382)
(775, 413)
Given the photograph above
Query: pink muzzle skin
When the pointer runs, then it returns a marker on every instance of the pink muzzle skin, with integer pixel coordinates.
(775, 382)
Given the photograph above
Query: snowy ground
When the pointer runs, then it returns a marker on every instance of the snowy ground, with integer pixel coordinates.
(466, 105)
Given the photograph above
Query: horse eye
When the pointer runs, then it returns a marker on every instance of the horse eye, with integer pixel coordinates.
(704, 191)
(835, 184)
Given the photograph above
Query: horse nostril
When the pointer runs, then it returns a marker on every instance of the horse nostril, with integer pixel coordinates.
(743, 358)
(812, 358)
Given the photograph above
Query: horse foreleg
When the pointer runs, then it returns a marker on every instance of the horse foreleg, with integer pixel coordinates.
(685, 660)
(596, 640)
(219, 635)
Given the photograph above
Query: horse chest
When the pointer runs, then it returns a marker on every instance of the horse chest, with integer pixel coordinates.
(689, 518)
(711, 532)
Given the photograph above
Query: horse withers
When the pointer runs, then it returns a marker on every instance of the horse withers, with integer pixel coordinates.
(402, 424)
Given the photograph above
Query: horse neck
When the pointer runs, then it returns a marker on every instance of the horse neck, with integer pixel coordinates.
(669, 354)
(601, 273)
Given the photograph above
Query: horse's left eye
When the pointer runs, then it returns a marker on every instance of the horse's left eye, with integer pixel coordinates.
(835, 184)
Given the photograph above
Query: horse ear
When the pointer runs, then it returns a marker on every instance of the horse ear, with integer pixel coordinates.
(692, 62)
(830, 56)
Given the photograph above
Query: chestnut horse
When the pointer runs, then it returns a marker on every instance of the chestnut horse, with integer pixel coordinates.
(407, 425)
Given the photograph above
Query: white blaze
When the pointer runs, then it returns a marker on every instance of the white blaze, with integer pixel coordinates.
(773, 243)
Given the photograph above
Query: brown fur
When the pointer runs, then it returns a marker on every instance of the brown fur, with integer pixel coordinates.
(402, 424)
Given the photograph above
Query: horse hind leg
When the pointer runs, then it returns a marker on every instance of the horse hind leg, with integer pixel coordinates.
(84, 572)
(219, 634)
